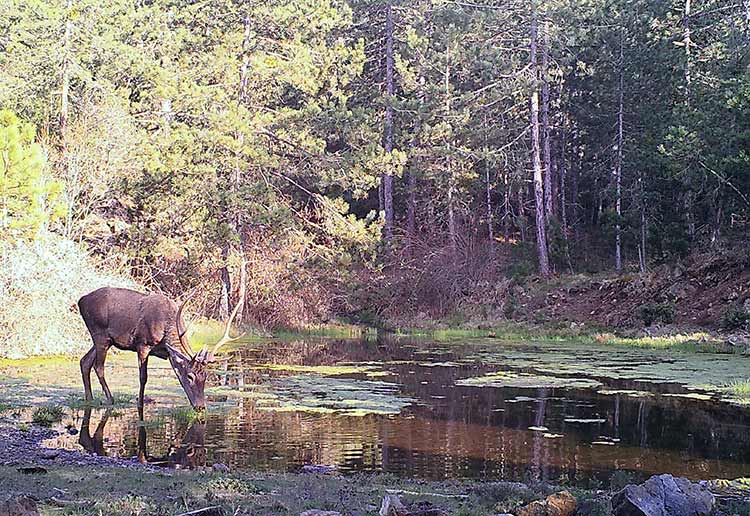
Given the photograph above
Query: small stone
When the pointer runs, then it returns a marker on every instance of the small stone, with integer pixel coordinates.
(19, 506)
(557, 504)
(49, 454)
(663, 494)
(318, 468)
(220, 468)
(32, 470)
(392, 506)
(206, 511)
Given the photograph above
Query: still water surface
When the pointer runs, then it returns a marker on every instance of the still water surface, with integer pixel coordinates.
(479, 409)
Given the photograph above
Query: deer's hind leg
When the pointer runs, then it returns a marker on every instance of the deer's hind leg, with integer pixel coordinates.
(87, 362)
(102, 345)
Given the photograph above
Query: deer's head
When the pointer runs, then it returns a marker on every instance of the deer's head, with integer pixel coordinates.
(192, 368)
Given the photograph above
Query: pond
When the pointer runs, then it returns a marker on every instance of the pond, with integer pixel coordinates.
(482, 408)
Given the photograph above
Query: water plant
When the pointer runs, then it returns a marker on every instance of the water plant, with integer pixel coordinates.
(657, 312)
(736, 318)
(47, 415)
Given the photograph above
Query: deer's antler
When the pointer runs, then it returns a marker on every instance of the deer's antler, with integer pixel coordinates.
(182, 329)
(204, 353)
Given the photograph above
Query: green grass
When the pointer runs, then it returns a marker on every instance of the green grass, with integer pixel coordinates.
(333, 331)
(121, 491)
(691, 342)
(739, 390)
(515, 332)
(48, 415)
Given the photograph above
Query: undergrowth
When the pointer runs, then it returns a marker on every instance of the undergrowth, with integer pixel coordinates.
(40, 284)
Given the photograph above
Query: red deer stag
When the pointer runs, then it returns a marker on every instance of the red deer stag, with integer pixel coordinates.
(149, 324)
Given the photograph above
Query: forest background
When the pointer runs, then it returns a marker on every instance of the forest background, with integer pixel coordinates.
(378, 162)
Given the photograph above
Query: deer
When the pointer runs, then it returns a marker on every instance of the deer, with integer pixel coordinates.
(148, 324)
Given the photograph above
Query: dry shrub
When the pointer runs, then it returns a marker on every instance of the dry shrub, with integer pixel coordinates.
(40, 284)
(436, 279)
(284, 287)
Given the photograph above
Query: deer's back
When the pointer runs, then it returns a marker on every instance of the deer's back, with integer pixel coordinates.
(127, 316)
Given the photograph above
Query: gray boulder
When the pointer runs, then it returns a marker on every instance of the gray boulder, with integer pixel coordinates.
(663, 495)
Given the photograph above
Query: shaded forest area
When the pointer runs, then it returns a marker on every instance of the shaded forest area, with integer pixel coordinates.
(369, 159)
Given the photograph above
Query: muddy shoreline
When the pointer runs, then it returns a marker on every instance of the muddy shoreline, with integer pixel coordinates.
(23, 446)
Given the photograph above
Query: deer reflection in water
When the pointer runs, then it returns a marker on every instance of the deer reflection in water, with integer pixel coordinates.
(190, 454)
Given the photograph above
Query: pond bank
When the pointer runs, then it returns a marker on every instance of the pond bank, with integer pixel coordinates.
(71, 482)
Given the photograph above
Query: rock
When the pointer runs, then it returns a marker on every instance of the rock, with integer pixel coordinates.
(220, 468)
(214, 510)
(392, 506)
(19, 506)
(319, 468)
(32, 470)
(663, 495)
(49, 454)
(318, 512)
(557, 504)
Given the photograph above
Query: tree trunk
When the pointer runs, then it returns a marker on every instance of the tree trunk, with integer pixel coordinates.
(449, 166)
(546, 132)
(237, 221)
(387, 176)
(541, 233)
(618, 162)
(226, 286)
(522, 211)
(642, 247)
(411, 206)
(574, 200)
(411, 212)
(234, 216)
(563, 177)
(65, 86)
(506, 206)
(687, 42)
(488, 191)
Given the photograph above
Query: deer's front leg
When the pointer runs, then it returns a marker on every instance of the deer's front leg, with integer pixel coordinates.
(143, 375)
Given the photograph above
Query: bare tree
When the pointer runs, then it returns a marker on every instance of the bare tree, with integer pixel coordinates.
(618, 160)
(65, 86)
(449, 165)
(546, 131)
(541, 232)
(387, 176)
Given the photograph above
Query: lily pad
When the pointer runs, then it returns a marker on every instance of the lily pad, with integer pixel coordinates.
(307, 393)
(326, 370)
(527, 381)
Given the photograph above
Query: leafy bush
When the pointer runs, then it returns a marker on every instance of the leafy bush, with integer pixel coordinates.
(47, 416)
(29, 199)
(40, 284)
(657, 312)
(736, 318)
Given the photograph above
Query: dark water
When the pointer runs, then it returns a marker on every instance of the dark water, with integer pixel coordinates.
(395, 407)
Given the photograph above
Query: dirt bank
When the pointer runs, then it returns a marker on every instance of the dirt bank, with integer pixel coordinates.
(698, 293)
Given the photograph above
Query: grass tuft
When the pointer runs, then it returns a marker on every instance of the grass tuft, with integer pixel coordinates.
(47, 416)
